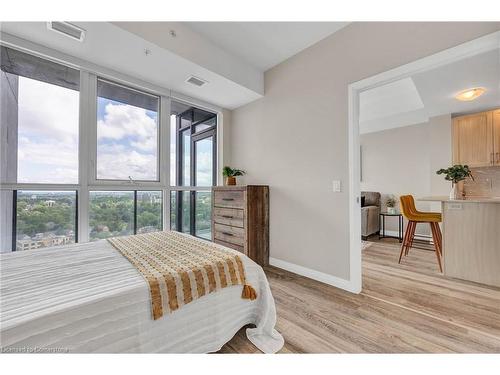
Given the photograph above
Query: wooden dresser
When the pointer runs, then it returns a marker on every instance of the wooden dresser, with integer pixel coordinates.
(240, 220)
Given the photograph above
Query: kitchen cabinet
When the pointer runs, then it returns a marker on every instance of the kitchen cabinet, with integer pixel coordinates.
(496, 135)
(476, 139)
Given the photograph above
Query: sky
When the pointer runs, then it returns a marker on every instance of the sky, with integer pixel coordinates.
(127, 138)
(47, 133)
(127, 142)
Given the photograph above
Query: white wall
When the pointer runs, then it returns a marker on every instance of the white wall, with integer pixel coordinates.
(404, 160)
(295, 138)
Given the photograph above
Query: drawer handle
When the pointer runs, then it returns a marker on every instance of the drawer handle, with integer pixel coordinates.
(227, 216)
(227, 234)
(228, 199)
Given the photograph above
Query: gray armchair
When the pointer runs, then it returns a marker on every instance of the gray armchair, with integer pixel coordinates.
(370, 213)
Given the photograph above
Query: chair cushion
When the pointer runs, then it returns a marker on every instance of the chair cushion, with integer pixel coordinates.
(372, 198)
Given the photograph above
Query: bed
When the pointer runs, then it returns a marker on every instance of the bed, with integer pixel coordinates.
(88, 297)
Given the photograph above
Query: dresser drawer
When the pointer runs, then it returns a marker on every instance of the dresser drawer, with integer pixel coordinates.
(229, 198)
(226, 233)
(239, 248)
(229, 216)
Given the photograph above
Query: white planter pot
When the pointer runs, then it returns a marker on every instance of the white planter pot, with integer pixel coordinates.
(457, 190)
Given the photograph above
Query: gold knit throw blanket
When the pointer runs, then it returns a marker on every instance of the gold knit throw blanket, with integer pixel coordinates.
(180, 268)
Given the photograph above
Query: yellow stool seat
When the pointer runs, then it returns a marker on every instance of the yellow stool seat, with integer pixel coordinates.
(411, 213)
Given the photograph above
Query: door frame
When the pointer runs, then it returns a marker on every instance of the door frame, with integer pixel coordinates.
(474, 47)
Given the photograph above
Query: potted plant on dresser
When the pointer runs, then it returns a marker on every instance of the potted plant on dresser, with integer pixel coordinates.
(230, 174)
(456, 174)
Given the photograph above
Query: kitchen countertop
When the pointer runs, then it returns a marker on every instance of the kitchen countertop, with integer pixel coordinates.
(466, 200)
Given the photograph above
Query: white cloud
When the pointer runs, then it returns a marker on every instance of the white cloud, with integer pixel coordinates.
(128, 143)
(48, 111)
(48, 133)
(119, 166)
(204, 169)
(125, 121)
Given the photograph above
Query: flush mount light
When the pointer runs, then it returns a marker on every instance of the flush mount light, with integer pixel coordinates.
(470, 94)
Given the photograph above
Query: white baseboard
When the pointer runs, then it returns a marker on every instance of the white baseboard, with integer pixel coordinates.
(315, 275)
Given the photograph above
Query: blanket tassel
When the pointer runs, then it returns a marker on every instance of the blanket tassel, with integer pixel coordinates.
(248, 292)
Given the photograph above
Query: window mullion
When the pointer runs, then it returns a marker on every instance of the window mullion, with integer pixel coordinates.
(86, 150)
(14, 219)
(164, 158)
(192, 180)
(135, 211)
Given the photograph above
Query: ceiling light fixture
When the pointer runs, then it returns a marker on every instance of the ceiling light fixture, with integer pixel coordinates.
(470, 94)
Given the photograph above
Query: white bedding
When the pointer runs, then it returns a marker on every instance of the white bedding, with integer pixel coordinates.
(89, 298)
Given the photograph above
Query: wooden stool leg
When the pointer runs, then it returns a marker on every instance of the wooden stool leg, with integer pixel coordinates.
(412, 237)
(406, 239)
(440, 236)
(437, 244)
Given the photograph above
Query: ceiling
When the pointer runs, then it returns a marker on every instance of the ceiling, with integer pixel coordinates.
(430, 93)
(231, 57)
(265, 44)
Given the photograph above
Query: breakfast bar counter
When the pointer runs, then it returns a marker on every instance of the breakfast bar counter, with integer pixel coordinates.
(471, 238)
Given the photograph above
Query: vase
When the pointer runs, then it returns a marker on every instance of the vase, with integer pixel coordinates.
(231, 181)
(391, 210)
(457, 190)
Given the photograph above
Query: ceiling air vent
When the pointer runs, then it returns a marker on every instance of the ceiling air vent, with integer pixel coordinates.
(196, 81)
(68, 29)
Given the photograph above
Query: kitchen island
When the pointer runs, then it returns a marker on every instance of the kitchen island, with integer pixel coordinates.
(471, 238)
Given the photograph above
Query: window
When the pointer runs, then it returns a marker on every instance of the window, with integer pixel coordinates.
(195, 149)
(127, 133)
(173, 209)
(120, 213)
(111, 214)
(44, 219)
(54, 169)
(204, 164)
(203, 222)
(149, 211)
(40, 126)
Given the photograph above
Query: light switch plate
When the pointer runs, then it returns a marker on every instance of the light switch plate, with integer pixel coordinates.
(336, 186)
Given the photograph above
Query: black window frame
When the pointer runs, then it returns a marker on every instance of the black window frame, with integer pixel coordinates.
(210, 132)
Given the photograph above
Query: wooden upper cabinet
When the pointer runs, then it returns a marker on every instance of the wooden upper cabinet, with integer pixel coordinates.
(496, 135)
(473, 140)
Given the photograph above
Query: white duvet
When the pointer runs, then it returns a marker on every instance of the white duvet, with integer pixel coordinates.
(88, 298)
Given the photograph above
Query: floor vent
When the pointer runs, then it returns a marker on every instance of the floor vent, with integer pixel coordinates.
(196, 81)
(68, 29)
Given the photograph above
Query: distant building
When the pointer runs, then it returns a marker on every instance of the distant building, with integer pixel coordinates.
(50, 203)
(147, 229)
(40, 240)
(102, 228)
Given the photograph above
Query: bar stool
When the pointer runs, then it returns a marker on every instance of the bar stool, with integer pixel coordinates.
(415, 217)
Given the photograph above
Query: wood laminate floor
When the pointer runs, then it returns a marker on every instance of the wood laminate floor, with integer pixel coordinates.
(406, 308)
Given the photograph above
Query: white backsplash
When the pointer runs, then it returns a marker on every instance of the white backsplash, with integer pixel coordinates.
(486, 182)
